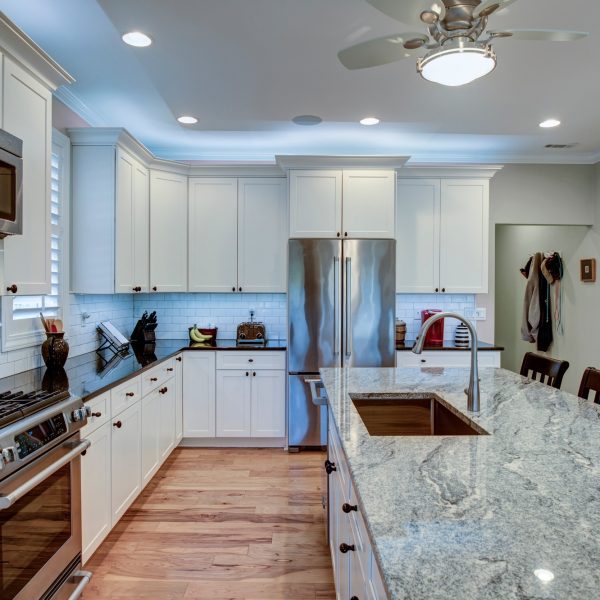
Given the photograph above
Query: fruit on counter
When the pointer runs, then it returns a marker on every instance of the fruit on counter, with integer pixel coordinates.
(198, 337)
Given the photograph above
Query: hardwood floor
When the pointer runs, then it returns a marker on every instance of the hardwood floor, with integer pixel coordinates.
(236, 524)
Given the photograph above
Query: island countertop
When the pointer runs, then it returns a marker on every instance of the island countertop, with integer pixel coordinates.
(473, 518)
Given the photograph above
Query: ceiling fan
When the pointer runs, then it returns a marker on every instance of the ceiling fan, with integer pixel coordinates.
(457, 38)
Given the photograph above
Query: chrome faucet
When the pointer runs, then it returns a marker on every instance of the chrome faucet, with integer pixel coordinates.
(472, 392)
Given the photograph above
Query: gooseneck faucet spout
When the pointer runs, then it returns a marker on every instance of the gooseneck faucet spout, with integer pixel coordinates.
(472, 392)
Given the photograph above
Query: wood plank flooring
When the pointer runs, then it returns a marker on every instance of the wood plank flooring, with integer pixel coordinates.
(235, 524)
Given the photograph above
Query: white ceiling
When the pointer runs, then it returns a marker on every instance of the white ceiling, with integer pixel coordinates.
(245, 68)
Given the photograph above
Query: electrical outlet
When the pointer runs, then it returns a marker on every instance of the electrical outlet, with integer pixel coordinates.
(480, 314)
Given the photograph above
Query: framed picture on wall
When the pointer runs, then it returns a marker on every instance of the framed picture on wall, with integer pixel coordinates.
(588, 270)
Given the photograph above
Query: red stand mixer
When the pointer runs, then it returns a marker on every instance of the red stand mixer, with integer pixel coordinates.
(435, 335)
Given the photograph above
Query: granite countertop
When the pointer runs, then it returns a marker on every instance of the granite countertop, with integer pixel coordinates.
(474, 517)
(450, 345)
(90, 374)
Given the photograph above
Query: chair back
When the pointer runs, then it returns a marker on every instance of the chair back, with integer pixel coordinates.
(590, 382)
(549, 370)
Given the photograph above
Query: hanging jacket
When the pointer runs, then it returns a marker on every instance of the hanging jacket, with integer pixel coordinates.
(531, 302)
(544, 337)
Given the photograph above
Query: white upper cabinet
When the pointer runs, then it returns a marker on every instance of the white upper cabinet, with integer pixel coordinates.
(213, 234)
(27, 114)
(132, 249)
(418, 236)
(464, 236)
(442, 235)
(168, 232)
(315, 204)
(336, 204)
(262, 236)
(368, 207)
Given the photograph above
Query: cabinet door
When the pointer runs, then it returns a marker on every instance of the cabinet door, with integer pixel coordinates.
(124, 223)
(464, 236)
(268, 404)
(141, 228)
(418, 236)
(315, 204)
(234, 392)
(199, 394)
(27, 113)
(95, 491)
(151, 424)
(213, 235)
(178, 398)
(369, 204)
(125, 459)
(168, 232)
(167, 419)
(262, 237)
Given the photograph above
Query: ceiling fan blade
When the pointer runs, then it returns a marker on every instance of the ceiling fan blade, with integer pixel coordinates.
(408, 11)
(380, 51)
(487, 7)
(541, 35)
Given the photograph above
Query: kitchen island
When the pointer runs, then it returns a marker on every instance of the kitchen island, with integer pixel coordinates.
(510, 515)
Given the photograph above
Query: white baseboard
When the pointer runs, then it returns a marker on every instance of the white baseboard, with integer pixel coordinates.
(233, 443)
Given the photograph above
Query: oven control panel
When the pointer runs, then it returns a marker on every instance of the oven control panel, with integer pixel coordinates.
(27, 442)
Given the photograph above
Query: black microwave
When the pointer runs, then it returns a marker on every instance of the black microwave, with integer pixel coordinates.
(11, 185)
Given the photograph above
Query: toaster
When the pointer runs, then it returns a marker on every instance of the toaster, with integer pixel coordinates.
(251, 332)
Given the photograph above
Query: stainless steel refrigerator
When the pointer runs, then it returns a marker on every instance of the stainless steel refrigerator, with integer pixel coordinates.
(341, 313)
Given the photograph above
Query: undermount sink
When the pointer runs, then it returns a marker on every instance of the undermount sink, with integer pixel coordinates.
(411, 415)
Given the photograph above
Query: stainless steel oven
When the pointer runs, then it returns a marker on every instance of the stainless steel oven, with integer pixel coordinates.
(40, 506)
(11, 185)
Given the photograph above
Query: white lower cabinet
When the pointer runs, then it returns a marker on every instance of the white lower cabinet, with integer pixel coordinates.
(356, 574)
(126, 480)
(96, 521)
(168, 412)
(447, 358)
(178, 398)
(151, 425)
(267, 417)
(199, 394)
(234, 397)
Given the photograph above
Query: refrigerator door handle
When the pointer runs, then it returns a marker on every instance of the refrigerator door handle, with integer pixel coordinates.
(336, 316)
(348, 315)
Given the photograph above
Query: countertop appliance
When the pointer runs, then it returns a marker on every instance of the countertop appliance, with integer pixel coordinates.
(435, 334)
(40, 495)
(11, 184)
(251, 332)
(341, 313)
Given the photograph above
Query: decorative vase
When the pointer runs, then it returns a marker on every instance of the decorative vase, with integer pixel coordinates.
(55, 380)
(462, 338)
(55, 350)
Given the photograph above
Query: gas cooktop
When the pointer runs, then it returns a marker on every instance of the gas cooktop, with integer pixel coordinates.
(17, 405)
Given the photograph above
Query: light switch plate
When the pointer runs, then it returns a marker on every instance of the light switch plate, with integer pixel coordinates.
(480, 314)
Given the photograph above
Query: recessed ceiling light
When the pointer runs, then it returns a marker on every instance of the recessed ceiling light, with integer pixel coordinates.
(307, 120)
(369, 121)
(550, 123)
(544, 575)
(187, 120)
(137, 39)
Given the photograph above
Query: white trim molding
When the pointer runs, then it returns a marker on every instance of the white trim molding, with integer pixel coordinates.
(291, 161)
(446, 171)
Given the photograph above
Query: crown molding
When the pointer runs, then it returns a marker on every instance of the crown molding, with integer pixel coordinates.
(448, 171)
(291, 161)
(80, 108)
(23, 49)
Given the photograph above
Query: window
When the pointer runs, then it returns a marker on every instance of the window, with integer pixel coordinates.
(22, 328)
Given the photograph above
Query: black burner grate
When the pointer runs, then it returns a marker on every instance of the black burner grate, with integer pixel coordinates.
(16, 405)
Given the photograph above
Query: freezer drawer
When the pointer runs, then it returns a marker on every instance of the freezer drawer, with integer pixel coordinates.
(307, 423)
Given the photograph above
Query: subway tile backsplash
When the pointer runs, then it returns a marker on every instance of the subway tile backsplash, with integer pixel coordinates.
(176, 312)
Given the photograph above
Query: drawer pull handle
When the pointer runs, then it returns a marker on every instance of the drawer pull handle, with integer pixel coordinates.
(12, 288)
(330, 467)
(250, 360)
(178, 359)
(130, 394)
(247, 373)
(348, 508)
(153, 378)
(163, 390)
(254, 374)
(423, 360)
(169, 369)
(355, 598)
(118, 424)
(96, 414)
(347, 548)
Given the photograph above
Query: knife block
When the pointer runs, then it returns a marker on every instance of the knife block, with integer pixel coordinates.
(142, 335)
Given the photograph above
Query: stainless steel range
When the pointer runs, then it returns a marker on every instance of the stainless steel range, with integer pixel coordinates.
(40, 503)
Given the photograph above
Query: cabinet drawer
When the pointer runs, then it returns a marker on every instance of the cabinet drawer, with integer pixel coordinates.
(338, 458)
(100, 407)
(124, 396)
(251, 360)
(441, 358)
(361, 537)
(156, 376)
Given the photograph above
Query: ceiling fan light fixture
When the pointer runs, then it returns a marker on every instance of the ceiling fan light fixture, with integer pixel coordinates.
(457, 63)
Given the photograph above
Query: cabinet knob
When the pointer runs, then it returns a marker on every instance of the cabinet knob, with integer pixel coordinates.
(355, 598)
(348, 508)
(96, 414)
(118, 424)
(178, 359)
(330, 467)
(233, 289)
(163, 390)
(443, 289)
(169, 369)
(250, 360)
(153, 378)
(344, 548)
(247, 373)
(240, 289)
(345, 234)
(137, 288)
(130, 394)
(338, 234)
(437, 289)
(254, 374)
(12, 288)
(155, 289)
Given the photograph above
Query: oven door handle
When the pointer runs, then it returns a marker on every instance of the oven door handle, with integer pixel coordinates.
(7, 500)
